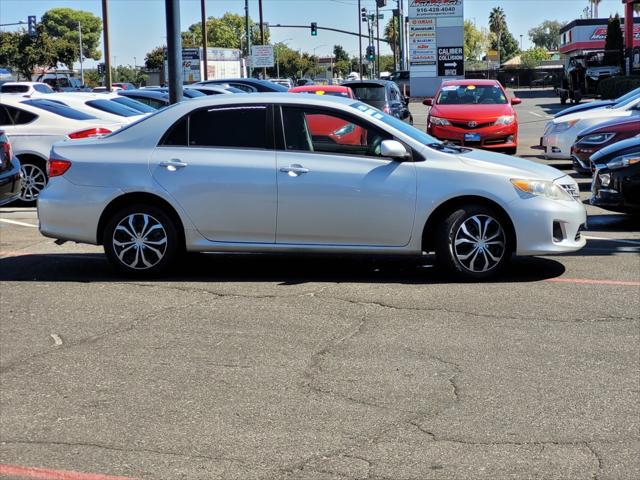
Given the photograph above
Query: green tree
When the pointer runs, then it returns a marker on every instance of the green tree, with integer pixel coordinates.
(340, 54)
(391, 33)
(154, 59)
(61, 25)
(386, 63)
(547, 34)
(476, 41)
(614, 43)
(533, 57)
(501, 38)
(24, 54)
(227, 31)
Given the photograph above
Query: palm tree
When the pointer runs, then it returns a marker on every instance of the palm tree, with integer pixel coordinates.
(497, 25)
(391, 33)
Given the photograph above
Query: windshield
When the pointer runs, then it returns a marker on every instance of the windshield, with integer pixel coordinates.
(136, 105)
(113, 107)
(409, 130)
(471, 94)
(59, 109)
(368, 92)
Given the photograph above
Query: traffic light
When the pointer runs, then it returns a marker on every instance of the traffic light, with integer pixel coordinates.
(31, 26)
(363, 14)
(314, 29)
(371, 53)
(101, 69)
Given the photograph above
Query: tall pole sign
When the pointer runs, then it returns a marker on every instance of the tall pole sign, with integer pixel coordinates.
(436, 39)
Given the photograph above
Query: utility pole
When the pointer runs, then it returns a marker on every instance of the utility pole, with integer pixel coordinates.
(378, 37)
(360, 38)
(248, 35)
(264, 70)
(401, 34)
(174, 50)
(204, 40)
(81, 55)
(105, 41)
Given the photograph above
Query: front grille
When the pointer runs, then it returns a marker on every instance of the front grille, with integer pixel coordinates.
(571, 189)
(466, 126)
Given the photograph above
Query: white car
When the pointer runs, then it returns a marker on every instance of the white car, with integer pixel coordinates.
(27, 89)
(33, 125)
(561, 133)
(106, 106)
(275, 172)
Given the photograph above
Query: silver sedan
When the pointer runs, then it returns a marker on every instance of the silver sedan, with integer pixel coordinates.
(301, 173)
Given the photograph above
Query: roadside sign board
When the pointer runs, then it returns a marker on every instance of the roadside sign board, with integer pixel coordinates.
(191, 65)
(450, 61)
(493, 55)
(223, 63)
(435, 30)
(262, 56)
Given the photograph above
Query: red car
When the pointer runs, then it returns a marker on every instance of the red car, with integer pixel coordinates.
(325, 128)
(474, 113)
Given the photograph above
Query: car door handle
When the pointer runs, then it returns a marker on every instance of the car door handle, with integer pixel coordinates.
(294, 170)
(173, 164)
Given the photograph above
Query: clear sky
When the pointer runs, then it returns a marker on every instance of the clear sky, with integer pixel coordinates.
(139, 25)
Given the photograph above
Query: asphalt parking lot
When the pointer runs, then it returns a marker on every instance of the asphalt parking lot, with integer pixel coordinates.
(264, 366)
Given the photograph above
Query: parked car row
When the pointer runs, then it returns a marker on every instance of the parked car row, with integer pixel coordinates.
(601, 138)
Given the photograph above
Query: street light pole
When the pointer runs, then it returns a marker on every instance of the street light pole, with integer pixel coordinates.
(360, 38)
(174, 50)
(81, 55)
(248, 34)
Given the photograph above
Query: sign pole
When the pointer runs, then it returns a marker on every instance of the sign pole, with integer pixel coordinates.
(203, 14)
(248, 35)
(359, 39)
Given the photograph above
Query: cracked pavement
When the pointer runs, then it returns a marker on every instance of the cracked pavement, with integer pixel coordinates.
(262, 367)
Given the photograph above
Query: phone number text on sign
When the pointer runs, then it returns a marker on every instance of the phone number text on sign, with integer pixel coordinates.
(435, 8)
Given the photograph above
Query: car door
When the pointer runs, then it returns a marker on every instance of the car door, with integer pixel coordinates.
(219, 165)
(342, 193)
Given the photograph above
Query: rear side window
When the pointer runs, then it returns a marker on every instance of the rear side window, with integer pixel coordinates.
(58, 109)
(113, 107)
(14, 89)
(16, 116)
(136, 105)
(236, 127)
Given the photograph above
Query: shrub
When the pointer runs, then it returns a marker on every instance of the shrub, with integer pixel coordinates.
(614, 87)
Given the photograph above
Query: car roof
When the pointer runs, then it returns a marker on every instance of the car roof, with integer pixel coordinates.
(382, 83)
(157, 94)
(273, 97)
(315, 88)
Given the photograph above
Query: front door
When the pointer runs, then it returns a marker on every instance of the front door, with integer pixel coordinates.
(334, 190)
(219, 165)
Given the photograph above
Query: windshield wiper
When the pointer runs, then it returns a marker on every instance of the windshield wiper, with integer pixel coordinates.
(447, 146)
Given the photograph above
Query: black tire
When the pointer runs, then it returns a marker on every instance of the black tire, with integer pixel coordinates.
(450, 257)
(150, 254)
(511, 151)
(34, 179)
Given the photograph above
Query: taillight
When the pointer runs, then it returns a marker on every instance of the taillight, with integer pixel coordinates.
(90, 132)
(6, 150)
(57, 166)
(386, 109)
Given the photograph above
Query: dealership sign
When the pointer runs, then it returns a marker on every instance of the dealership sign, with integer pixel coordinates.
(600, 33)
(435, 37)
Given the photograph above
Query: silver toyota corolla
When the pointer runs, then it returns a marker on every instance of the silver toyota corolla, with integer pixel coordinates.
(301, 173)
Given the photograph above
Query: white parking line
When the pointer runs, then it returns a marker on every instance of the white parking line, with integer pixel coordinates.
(15, 222)
(535, 114)
(633, 242)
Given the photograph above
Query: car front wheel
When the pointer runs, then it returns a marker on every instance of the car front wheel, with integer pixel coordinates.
(472, 242)
(140, 240)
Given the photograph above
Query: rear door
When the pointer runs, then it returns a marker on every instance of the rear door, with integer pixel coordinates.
(219, 165)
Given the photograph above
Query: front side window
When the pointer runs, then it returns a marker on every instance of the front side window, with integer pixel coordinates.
(315, 130)
(235, 127)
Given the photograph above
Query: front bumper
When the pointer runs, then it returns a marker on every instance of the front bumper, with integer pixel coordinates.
(612, 196)
(557, 146)
(496, 137)
(581, 163)
(544, 226)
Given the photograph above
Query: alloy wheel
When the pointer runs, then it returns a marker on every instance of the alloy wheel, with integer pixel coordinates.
(33, 181)
(479, 243)
(139, 241)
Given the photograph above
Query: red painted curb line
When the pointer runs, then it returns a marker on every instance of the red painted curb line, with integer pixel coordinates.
(589, 281)
(48, 474)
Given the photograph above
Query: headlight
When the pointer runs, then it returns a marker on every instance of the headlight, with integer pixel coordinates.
(505, 120)
(542, 188)
(597, 138)
(439, 121)
(624, 161)
(564, 126)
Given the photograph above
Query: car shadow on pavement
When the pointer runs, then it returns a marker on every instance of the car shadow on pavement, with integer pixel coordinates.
(286, 269)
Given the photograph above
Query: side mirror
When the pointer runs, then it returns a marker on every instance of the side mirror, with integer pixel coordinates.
(405, 113)
(516, 101)
(393, 149)
(428, 102)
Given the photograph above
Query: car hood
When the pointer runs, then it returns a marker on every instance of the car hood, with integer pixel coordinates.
(584, 107)
(471, 112)
(508, 165)
(604, 113)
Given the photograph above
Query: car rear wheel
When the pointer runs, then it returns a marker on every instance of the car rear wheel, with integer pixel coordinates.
(34, 179)
(141, 240)
(472, 243)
